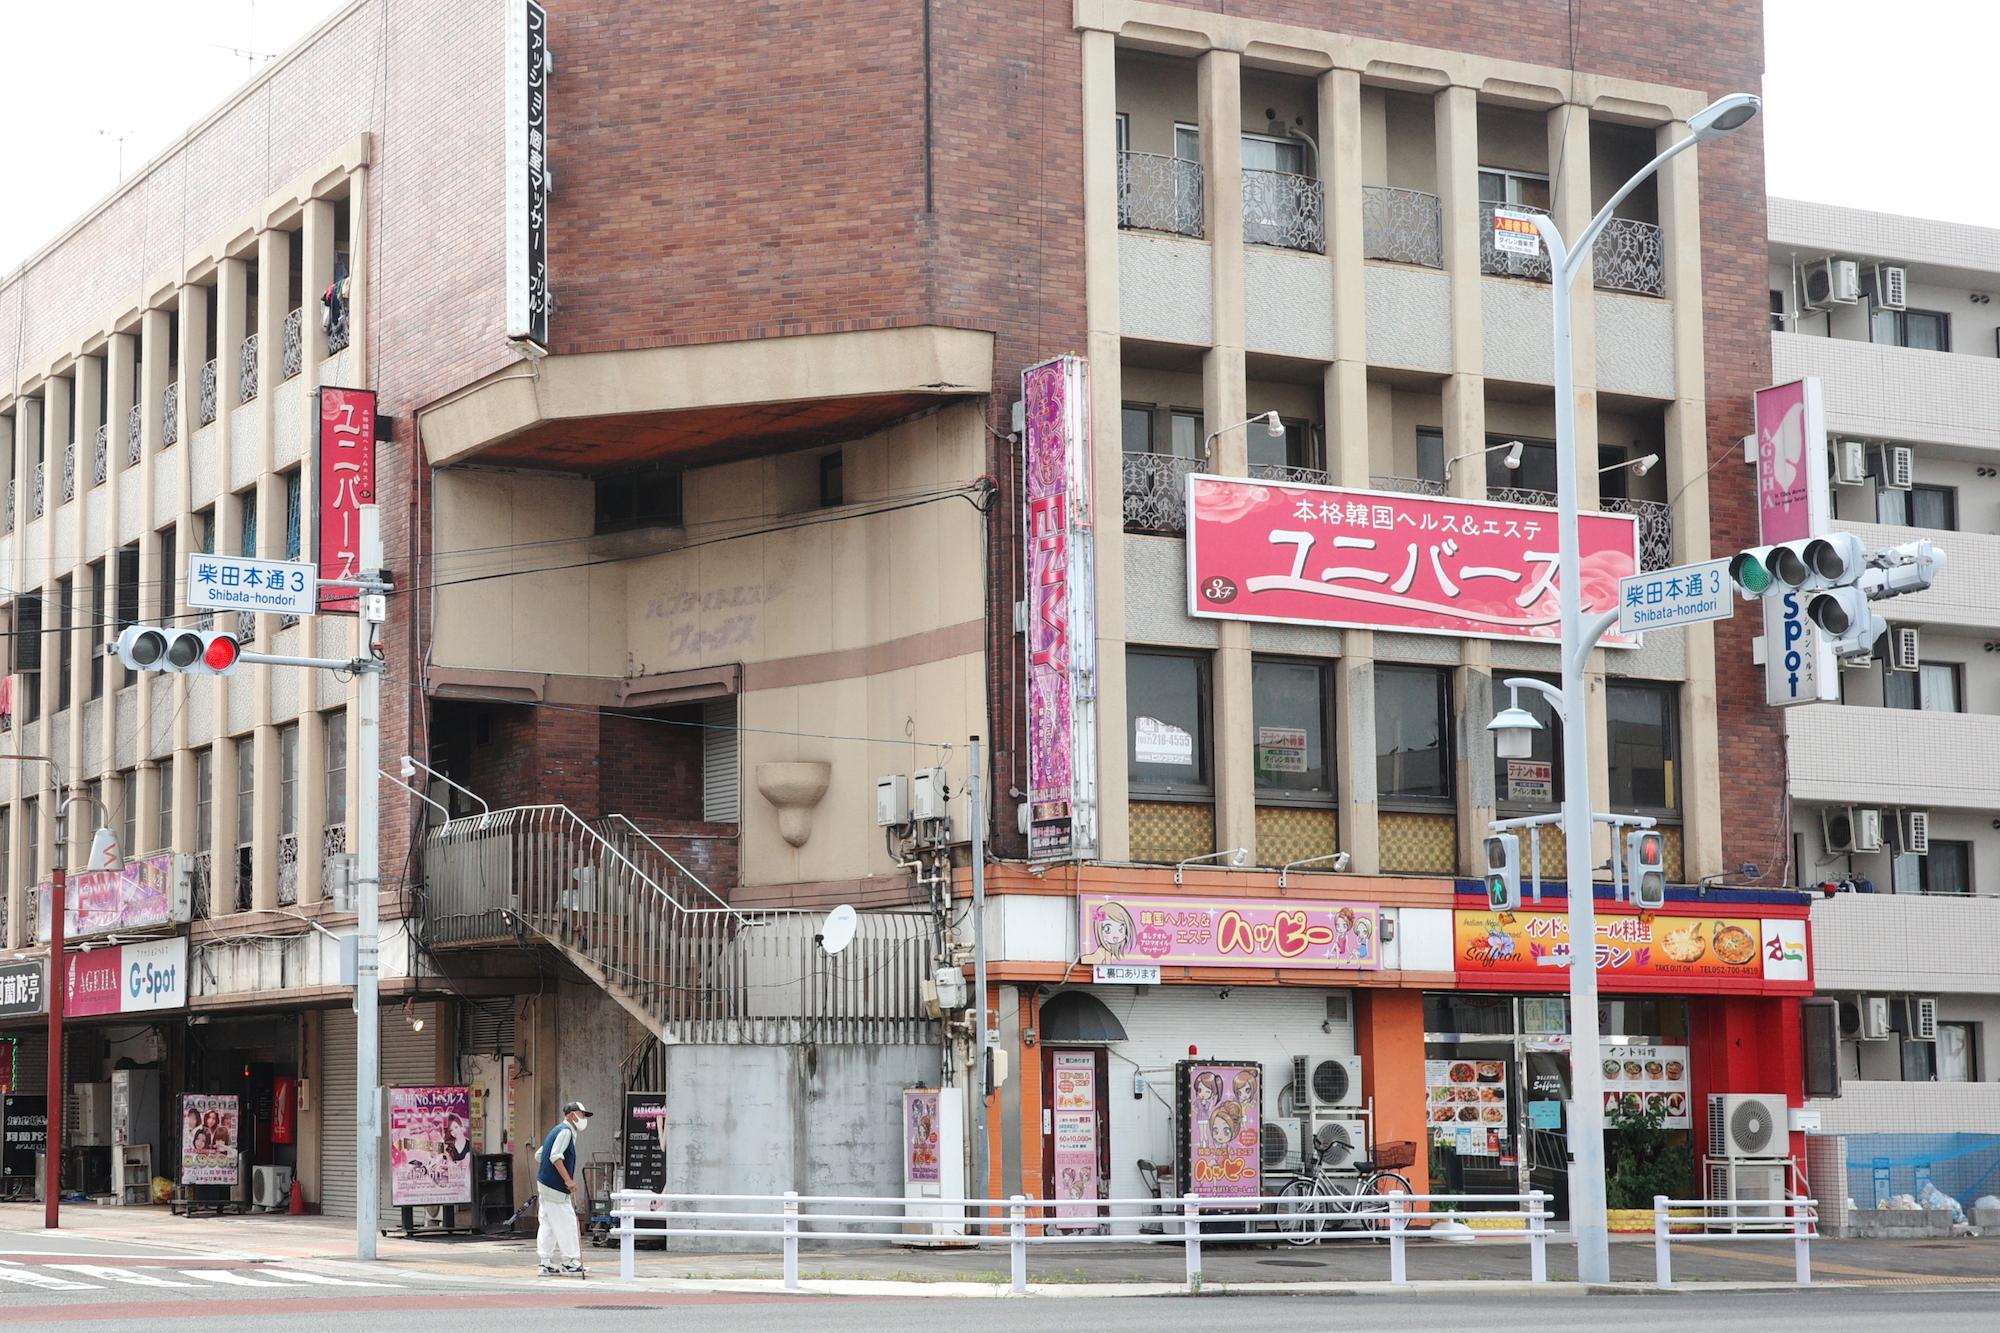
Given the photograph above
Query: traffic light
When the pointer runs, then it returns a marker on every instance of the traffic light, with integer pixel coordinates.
(1503, 872)
(1646, 867)
(1805, 565)
(1842, 614)
(195, 651)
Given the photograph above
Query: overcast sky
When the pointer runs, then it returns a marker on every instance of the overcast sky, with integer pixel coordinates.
(1837, 73)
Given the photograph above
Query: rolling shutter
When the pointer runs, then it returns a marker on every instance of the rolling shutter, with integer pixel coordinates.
(409, 1060)
(336, 1114)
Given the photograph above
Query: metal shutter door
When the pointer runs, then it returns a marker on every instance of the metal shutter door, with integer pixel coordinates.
(31, 1061)
(719, 801)
(336, 1114)
(409, 1060)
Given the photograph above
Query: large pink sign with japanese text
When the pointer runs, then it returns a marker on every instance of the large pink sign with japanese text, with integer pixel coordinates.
(1191, 932)
(1323, 555)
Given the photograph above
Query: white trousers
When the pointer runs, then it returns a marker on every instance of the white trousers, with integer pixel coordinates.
(557, 1231)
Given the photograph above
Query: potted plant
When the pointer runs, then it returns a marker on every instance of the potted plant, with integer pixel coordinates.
(1642, 1160)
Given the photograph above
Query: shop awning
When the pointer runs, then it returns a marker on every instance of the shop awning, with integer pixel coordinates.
(1073, 1016)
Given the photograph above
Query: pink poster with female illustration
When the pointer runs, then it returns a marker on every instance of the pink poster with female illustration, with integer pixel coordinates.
(1190, 932)
(920, 1135)
(430, 1145)
(1074, 1152)
(1224, 1125)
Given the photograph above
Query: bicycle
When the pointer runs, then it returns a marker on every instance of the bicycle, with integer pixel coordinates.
(1311, 1200)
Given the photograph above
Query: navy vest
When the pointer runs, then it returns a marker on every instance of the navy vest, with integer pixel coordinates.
(547, 1175)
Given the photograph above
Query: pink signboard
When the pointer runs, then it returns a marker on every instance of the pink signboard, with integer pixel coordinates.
(1223, 1110)
(346, 481)
(1791, 462)
(210, 1139)
(1073, 1120)
(96, 982)
(1418, 564)
(1061, 630)
(140, 895)
(430, 1145)
(1189, 932)
(920, 1136)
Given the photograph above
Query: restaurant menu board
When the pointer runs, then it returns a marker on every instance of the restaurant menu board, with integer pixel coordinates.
(209, 1139)
(1641, 1077)
(645, 1141)
(1467, 1101)
(24, 1131)
(1220, 1119)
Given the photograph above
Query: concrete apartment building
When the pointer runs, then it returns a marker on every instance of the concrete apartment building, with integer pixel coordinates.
(1892, 789)
(750, 529)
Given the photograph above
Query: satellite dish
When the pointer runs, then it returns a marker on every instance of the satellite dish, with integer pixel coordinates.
(837, 931)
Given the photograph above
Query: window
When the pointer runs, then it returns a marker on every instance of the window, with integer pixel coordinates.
(1430, 455)
(832, 480)
(1166, 715)
(204, 798)
(1777, 311)
(1298, 447)
(1291, 710)
(31, 838)
(288, 779)
(1934, 507)
(1645, 743)
(128, 812)
(1947, 869)
(94, 616)
(1413, 761)
(127, 610)
(1146, 429)
(163, 814)
(1934, 687)
(1958, 1052)
(204, 531)
(28, 653)
(246, 502)
(246, 789)
(336, 768)
(1498, 186)
(65, 640)
(1925, 330)
(168, 572)
(650, 498)
(1534, 783)
(294, 508)
(1538, 465)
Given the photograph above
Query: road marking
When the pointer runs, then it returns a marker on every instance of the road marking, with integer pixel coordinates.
(1820, 1266)
(131, 1277)
(10, 1273)
(228, 1278)
(319, 1279)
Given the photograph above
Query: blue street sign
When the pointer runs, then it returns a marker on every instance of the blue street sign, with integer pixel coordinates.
(240, 583)
(1683, 595)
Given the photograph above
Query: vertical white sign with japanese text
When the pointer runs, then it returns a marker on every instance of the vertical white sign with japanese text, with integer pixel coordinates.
(527, 173)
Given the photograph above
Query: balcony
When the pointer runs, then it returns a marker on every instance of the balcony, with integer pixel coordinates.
(1159, 193)
(1847, 754)
(69, 472)
(206, 410)
(1408, 485)
(246, 370)
(295, 347)
(1897, 393)
(1495, 262)
(1287, 474)
(1156, 492)
(1894, 941)
(1402, 226)
(170, 414)
(1283, 209)
(1656, 519)
(100, 458)
(133, 421)
(1630, 255)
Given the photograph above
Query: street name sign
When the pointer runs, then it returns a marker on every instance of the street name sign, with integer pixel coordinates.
(240, 583)
(1683, 595)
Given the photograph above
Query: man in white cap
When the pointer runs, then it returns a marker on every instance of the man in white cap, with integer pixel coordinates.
(555, 1181)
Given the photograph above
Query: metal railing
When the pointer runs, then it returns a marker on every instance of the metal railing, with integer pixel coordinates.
(1402, 226)
(1795, 1220)
(1408, 485)
(1283, 209)
(246, 370)
(170, 414)
(12, 487)
(333, 843)
(1521, 495)
(336, 331)
(295, 344)
(288, 869)
(1501, 263)
(1656, 528)
(1159, 193)
(1285, 472)
(696, 974)
(791, 1218)
(40, 496)
(203, 885)
(1156, 491)
(205, 403)
(100, 458)
(1630, 256)
(134, 423)
(69, 472)
(659, 863)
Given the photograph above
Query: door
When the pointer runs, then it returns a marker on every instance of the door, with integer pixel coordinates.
(1076, 1135)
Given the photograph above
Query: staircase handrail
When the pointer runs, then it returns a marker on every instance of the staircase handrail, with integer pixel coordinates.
(675, 862)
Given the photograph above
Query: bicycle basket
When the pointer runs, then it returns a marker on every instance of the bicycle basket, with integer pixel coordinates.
(1396, 1153)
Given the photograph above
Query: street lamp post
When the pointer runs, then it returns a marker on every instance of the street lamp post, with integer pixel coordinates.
(1586, 1133)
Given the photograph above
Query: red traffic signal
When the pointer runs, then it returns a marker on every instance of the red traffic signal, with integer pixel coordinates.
(161, 648)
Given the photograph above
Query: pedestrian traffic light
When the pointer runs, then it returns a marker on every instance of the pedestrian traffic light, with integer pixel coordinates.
(1503, 872)
(158, 648)
(1646, 867)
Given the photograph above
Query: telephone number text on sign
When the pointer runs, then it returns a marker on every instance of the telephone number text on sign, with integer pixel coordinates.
(1324, 555)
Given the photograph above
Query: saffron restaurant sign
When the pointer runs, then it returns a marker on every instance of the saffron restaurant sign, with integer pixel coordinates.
(1062, 625)
(1417, 564)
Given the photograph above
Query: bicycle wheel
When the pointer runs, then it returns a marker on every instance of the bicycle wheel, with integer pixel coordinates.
(1297, 1202)
(1371, 1202)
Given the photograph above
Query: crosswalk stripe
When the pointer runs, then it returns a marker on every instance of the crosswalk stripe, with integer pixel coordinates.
(227, 1278)
(42, 1280)
(131, 1277)
(318, 1279)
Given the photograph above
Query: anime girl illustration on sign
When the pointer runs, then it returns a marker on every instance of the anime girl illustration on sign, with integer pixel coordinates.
(1112, 934)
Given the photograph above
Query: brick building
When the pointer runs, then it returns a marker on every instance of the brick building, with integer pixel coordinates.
(744, 536)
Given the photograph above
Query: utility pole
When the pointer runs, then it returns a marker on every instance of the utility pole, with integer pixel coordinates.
(982, 1065)
(58, 989)
(368, 885)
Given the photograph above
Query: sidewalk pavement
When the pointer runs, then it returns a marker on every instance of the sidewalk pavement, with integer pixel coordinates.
(1101, 1269)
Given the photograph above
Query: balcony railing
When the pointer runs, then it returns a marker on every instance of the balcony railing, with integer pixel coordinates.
(246, 370)
(1283, 209)
(288, 869)
(1287, 473)
(100, 456)
(336, 331)
(134, 419)
(170, 414)
(1402, 226)
(1656, 528)
(12, 486)
(1499, 262)
(1156, 491)
(69, 472)
(1408, 485)
(203, 886)
(1159, 193)
(1630, 257)
(41, 490)
(295, 343)
(206, 403)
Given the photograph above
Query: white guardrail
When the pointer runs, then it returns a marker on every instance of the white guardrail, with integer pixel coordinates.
(1020, 1222)
(1795, 1220)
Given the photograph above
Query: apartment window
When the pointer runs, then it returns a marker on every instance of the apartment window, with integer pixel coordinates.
(1292, 714)
(294, 508)
(163, 813)
(204, 531)
(1166, 723)
(1533, 783)
(1299, 447)
(1430, 455)
(65, 640)
(246, 505)
(169, 571)
(31, 838)
(1175, 431)
(1777, 310)
(1925, 330)
(288, 779)
(832, 480)
(1645, 746)
(1946, 869)
(650, 498)
(1934, 687)
(127, 597)
(128, 812)
(1934, 507)
(1537, 471)
(1498, 186)
(204, 798)
(246, 788)
(28, 654)
(95, 618)
(1413, 763)
(335, 726)
(1958, 1052)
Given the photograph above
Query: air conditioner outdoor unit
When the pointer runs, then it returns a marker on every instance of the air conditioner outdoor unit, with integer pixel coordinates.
(1903, 645)
(270, 1186)
(1891, 286)
(1874, 1018)
(1899, 467)
(1748, 1181)
(1850, 462)
(1916, 833)
(1335, 1082)
(1849, 828)
(1278, 1142)
(1833, 282)
(1346, 1141)
(1746, 1124)
(1923, 1016)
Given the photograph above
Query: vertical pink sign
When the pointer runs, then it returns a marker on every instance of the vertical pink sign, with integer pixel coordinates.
(1074, 1153)
(346, 481)
(1791, 462)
